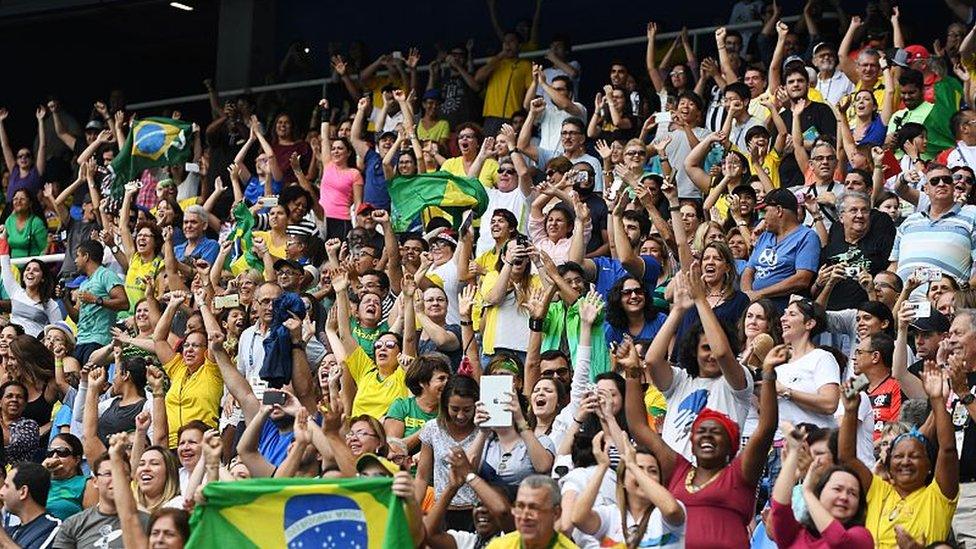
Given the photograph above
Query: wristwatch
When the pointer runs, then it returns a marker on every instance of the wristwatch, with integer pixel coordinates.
(967, 399)
(99, 301)
(469, 478)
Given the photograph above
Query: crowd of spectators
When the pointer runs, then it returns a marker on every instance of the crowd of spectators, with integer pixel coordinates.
(736, 304)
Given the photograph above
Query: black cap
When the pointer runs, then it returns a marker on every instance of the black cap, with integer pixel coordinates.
(935, 322)
(782, 197)
(281, 263)
(745, 189)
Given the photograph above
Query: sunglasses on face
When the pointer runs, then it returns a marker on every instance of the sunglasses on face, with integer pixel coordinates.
(388, 344)
(509, 171)
(558, 372)
(962, 177)
(631, 291)
(941, 180)
(60, 452)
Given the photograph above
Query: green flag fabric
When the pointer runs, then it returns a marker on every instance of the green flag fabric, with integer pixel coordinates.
(411, 195)
(154, 141)
(240, 235)
(349, 513)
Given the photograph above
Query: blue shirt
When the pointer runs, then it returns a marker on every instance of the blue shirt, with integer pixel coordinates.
(206, 248)
(609, 271)
(775, 261)
(374, 182)
(255, 189)
(647, 333)
(273, 444)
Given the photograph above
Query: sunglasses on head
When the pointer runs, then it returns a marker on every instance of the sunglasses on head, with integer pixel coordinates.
(60, 452)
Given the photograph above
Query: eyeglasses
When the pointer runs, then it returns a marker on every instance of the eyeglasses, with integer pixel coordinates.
(631, 291)
(265, 301)
(360, 434)
(388, 344)
(523, 509)
(467, 136)
(941, 180)
(60, 452)
(570, 133)
(826, 158)
(509, 171)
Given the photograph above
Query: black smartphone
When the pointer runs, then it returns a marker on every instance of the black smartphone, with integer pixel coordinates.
(273, 397)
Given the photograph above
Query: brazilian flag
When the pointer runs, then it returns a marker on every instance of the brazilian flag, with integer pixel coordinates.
(154, 141)
(357, 513)
(240, 235)
(411, 195)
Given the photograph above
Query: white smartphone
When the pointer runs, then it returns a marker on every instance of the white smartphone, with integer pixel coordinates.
(860, 383)
(923, 309)
(495, 396)
(192, 167)
(269, 201)
(259, 386)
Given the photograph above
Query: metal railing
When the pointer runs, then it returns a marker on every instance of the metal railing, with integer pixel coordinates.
(49, 258)
(603, 44)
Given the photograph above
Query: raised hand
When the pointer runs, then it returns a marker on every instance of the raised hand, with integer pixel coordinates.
(465, 299)
(339, 65)
(41, 112)
(143, 421)
(589, 307)
(413, 58)
(117, 445)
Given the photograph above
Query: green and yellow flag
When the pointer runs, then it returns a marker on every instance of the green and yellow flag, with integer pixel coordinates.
(154, 141)
(411, 195)
(358, 513)
(240, 235)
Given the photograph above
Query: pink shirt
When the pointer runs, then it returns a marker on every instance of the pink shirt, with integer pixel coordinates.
(792, 534)
(336, 190)
(558, 251)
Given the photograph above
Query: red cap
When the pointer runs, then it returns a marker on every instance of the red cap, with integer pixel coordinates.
(916, 52)
(365, 207)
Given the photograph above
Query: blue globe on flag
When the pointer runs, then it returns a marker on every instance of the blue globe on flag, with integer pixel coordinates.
(150, 138)
(324, 520)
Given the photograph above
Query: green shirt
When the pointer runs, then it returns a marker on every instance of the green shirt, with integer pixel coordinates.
(64, 498)
(409, 412)
(29, 241)
(95, 321)
(367, 336)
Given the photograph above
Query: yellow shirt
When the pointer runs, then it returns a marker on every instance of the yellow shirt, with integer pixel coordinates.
(656, 406)
(277, 251)
(506, 87)
(139, 269)
(488, 174)
(514, 541)
(438, 132)
(491, 321)
(374, 395)
(192, 396)
(925, 514)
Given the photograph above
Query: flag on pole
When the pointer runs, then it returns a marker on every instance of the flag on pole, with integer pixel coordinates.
(154, 141)
(410, 195)
(359, 513)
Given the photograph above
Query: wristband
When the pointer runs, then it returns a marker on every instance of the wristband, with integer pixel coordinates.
(578, 422)
(674, 208)
(535, 324)
(742, 224)
(967, 399)
(769, 376)
(466, 323)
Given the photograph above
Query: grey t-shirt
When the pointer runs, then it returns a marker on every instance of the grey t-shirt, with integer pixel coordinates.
(90, 528)
(677, 150)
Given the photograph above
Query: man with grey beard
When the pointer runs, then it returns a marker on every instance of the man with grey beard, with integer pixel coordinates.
(833, 84)
(962, 378)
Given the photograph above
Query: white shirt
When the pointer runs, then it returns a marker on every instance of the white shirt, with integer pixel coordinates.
(250, 352)
(551, 125)
(687, 396)
(962, 155)
(446, 276)
(659, 533)
(865, 430)
(807, 375)
(834, 88)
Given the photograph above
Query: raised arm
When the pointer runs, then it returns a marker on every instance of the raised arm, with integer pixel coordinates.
(582, 515)
(133, 534)
(755, 454)
(525, 145)
(776, 64)
(845, 63)
(695, 158)
(636, 412)
(8, 154)
(357, 132)
(947, 459)
(164, 351)
(41, 161)
(724, 62)
(721, 349)
(847, 438)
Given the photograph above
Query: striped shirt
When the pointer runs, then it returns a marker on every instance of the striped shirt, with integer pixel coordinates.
(305, 226)
(947, 243)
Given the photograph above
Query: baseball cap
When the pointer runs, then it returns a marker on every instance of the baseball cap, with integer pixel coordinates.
(793, 59)
(383, 135)
(432, 94)
(745, 189)
(916, 52)
(282, 263)
(312, 271)
(782, 197)
(94, 125)
(365, 207)
(76, 282)
(366, 460)
(446, 235)
(935, 322)
(823, 45)
(658, 178)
